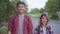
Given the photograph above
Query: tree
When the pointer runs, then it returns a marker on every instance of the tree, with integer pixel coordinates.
(42, 10)
(7, 8)
(51, 8)
(35, 11)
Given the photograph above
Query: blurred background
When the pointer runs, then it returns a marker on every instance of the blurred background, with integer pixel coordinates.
(34, 8)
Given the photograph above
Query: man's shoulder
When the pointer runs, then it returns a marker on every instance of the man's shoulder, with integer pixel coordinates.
(28, 17)
(13, 15)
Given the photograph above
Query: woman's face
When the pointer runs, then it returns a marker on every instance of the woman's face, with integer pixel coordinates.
(44, 20)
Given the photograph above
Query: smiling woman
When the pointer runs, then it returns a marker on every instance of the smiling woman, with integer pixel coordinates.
(43, 27)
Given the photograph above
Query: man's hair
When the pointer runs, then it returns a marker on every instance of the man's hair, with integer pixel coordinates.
(20, 3)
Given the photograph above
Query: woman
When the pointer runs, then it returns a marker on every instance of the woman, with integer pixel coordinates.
(43, 27)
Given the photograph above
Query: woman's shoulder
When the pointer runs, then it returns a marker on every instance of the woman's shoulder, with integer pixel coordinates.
(50, 28)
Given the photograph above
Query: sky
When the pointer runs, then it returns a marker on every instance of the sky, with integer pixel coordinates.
(36, 4)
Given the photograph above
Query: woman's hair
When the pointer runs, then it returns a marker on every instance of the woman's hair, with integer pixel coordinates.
(40, 20)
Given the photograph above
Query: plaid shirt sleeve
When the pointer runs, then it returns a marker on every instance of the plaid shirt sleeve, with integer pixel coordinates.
(10, 23)
(30, 25)
(51, 31)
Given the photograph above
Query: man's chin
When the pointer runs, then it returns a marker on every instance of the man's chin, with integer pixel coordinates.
(20, 12)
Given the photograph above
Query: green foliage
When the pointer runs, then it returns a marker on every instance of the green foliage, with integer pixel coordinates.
(52, 6)
(7, 8)
(54, 16)
(42, 10)
(35, 11)
(3, 30)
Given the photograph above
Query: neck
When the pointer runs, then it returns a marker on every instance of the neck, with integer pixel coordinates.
(44, 25)
(20, 13)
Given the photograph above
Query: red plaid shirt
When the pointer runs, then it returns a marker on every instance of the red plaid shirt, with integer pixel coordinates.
(27, 29)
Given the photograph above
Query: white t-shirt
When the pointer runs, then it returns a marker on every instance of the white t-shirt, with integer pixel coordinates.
(44, 30)
(20, 24)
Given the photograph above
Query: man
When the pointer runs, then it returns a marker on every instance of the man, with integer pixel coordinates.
(20, 23)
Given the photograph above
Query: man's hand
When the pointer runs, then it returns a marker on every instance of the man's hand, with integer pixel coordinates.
(9, 32)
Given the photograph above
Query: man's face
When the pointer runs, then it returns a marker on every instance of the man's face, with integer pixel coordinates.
(21, 8)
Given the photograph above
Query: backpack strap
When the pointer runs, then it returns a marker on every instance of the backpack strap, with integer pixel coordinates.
(14, 16)
(27, 17)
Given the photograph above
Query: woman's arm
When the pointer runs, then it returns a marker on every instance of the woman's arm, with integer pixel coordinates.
(51, 30)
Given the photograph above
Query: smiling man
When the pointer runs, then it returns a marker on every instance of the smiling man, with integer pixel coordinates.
(20, 23)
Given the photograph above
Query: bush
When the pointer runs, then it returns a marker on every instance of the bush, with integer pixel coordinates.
(3, 30)
(54, 17)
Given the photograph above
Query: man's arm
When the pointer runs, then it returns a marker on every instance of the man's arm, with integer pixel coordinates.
(30, 25)
(9, 32)
(10, 25)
